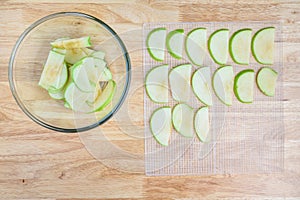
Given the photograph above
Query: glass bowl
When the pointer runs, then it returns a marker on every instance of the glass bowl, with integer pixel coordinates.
(30, 54)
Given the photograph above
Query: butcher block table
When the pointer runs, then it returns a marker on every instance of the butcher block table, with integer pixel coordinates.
(37, 163)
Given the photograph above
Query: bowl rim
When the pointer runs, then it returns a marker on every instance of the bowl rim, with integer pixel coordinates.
(19, 101)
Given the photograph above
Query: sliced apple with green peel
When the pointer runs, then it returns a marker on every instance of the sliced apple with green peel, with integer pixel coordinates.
(52, 70)
(98, 54)
(263, 45)
(106, 96)
(200, 85)
(179, 78)
(72, 43)
(156, 84)
(58, 95)
(88, 51)
(240, 46)
(174, 42)
(66, 105)
(102, 71)
(218, 46)
(61, 80)
(243, 85)
(195, 45)
(95, 94)
(266, 81)
(77, 99)
(182, 119)
(61, 51)
(80, 75)
(161, 125)
(222, 82)
(155, 43)
(201, 123)
(74, 55)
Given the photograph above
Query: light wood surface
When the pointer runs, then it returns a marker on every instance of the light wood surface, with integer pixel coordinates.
(36, 163)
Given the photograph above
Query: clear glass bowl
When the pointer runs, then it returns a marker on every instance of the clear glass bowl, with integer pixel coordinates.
(30, 54)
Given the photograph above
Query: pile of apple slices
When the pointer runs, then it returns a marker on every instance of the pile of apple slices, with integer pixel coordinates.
(78, 75)
(182, 80)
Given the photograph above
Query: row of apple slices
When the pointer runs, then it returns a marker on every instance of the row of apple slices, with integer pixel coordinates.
(184, 121)
(239, 45)
(182, 80)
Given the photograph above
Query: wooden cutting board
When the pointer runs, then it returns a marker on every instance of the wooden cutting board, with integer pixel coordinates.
(36, 163)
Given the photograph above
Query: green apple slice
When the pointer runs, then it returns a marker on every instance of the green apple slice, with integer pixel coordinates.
(88, 51)
(218, 46)
(52, 70)
(98, 54)
(179, 78)
(61, 51)
(61, 80)
(105, 97)
(240, 46)
(155, 43)
(195, 45)
(156, 84)
(201, 124)
(174, 43)
(200, 85)
(66, 105)
(243, 85)
(182, 119)
(77, 99)
(72, 43)
(102, 72)
(74, 55)
(161, 126)
(95, 94)
(266, 81)
(80, 75)
(263, 45)
(58, 95)
(222, 82)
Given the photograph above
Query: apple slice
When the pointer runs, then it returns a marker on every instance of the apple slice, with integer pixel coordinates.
(240, 46)
(174, 43)
(79, 73)
(195, 45)
(61, 51)
(74, 55)
(263, 45)
(218, 46)
(58, 95)
(182, 119)
(179, 78)
(160, 125)
(200, 85)
(155, 43)
(223, 84)
(72, 43)
(157, 84)
(201, 124)
(106, 96)
(266, 81)
(98, 54)
(243, 85)
(76, 99)
(52, 70)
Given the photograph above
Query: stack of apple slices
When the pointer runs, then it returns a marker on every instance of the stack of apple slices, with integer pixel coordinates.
(78, 75)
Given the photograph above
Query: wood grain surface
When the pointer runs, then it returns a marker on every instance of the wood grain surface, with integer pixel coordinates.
(36, 163)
